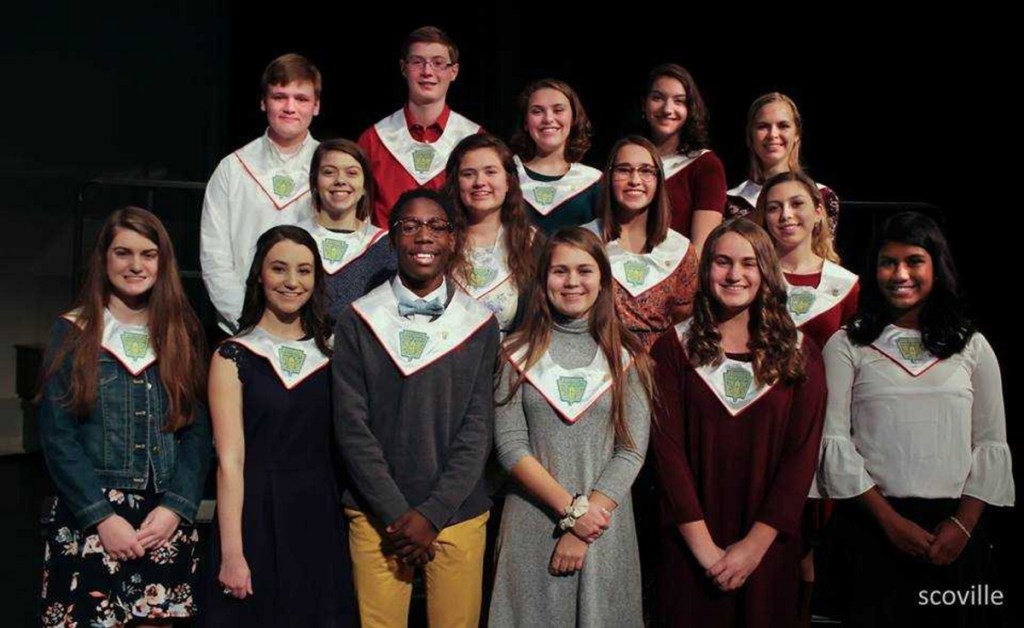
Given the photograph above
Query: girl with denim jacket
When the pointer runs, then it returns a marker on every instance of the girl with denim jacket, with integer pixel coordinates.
(126, 437)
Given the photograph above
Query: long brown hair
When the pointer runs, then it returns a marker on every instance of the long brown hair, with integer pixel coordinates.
(578, 142)
(341, 145)
(694, 134)
(313, 315)
(518, 233)
(605, 328)
(756, 169)
(773, 335)
(174, 329)
(821, 235)
(659, 212)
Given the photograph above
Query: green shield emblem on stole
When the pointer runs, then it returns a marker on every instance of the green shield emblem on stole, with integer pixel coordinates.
(291, 359)
(135, 345)
(912, 349)
(636, 272)
(737, 383)
(283, 185)
(571, 389)
(801, 302)
(412, 343)
(481, 276)
(334, 250)
(545, 195)
(422, 158)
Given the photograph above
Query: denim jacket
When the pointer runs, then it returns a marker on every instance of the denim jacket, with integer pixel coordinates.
(121, 442)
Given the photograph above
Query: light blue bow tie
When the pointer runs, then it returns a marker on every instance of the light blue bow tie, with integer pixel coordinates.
(432, 307)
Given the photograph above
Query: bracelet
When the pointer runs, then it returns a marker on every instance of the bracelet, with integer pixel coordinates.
(576, 509)
(960, 525)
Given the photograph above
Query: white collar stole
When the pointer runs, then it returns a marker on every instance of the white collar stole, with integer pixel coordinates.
(423, 161)
(129, 344)
(338, 250)
(639, 272)
(293, 361)
(571, 392)
(805, 303)
(547, 196)
(674, 164)
(490, 281)
(748, 191)
(904, 347)
(732, 381)
(283, 182)
(489, 268)
(414, 345)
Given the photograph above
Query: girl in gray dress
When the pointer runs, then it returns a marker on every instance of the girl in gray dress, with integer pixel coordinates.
(572, 425)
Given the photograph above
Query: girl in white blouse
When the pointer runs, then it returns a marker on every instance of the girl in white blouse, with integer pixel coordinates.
(915, 439)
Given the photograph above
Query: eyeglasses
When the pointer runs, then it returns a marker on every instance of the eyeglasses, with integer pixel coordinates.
(412, 226)
(438, 64)
(623, 172)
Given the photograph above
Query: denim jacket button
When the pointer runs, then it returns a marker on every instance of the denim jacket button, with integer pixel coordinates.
(138, 381)
(149, 386)
(140, 413)
(140, 445)
(156, 451)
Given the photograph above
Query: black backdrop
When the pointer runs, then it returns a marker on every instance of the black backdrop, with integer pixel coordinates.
(896, 108)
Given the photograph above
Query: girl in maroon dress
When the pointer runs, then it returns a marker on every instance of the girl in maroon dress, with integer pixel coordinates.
(822, 297)
(736, 441)
(677, 123)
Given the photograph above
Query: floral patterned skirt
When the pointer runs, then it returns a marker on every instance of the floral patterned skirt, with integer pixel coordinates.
(84, 587)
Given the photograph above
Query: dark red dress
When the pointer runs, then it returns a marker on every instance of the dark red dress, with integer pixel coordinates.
(732, 471)
(820, 329)
(698, 185)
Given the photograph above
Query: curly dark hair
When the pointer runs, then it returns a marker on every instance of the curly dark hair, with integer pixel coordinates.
(694, 134)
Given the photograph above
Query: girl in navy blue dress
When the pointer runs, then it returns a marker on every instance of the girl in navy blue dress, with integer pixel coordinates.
(280, 557)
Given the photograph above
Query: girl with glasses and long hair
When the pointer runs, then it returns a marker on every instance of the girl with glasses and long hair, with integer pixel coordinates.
(654, 266)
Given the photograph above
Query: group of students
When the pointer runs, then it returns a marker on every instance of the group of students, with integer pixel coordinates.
(407, 308)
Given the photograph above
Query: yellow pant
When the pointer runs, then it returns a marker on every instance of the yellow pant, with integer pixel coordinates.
(454, 578)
